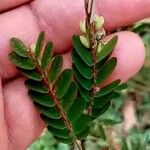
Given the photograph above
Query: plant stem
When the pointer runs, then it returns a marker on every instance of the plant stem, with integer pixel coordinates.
(83, 144)
(78, 146)
(56, 100)
(93, 45)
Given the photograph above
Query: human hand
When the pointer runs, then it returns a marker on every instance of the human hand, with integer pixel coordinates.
(20, 123)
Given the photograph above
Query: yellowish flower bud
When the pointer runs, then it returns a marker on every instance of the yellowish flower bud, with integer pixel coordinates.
(82, 25)
(98, 22)
(33, 46)
(84, 40)
(99, 48)
(100, 34)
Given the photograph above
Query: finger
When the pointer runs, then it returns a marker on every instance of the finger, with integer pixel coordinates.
(130, 53)
(24, 123)
(8, 4)
(59, 26)
(122, 12)
(3, 127)
(63, 20)
(27, 31)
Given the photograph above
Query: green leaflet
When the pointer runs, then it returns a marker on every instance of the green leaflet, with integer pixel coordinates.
(63, 140)
(39, 44)
(19, 47)
(106, 70)
(41, 98)
(82, 135)
(76, 109)
(99, 102)
(54, 123)
(101, 63)
(121, 86)
(111, 117)
(81, 123)
(80, 65)
(36, 86)
(21, 62)
(85, 83)
(98, 112)
(55, 68)
(64, 134)
(31, 74)
(82, 51)
(70, 96)
(108, 88)
(48, 53)
(50, 112)
(107, 49)
(115, 95)
(84, 93)
(63, 83)
(124, 144)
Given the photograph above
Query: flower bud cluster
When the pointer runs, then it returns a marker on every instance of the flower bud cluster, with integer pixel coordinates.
(97, 23)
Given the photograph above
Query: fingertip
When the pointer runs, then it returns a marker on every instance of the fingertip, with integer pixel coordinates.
(122, 12)
(22, 117)
(130, 53)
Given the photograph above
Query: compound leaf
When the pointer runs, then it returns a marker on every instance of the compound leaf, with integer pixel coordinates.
(56, 93)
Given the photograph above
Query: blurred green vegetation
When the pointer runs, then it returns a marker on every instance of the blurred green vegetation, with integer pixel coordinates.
(107, 130)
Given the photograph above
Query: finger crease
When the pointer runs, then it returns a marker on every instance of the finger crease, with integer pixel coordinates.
(42, 22)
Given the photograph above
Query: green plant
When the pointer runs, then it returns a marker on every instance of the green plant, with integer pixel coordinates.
(71, 99)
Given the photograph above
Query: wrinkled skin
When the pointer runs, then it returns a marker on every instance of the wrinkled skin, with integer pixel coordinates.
(20, 123)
